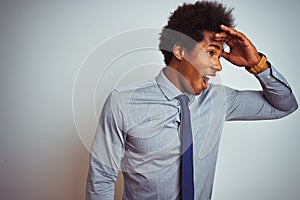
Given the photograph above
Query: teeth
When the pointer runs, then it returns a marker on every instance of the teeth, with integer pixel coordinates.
(208, 76)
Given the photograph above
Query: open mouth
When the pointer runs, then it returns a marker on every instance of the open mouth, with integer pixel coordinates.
(206, 78)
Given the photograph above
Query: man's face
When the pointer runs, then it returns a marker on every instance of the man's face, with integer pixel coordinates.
(201, 64)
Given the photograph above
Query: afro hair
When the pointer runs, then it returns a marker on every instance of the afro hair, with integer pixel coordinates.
(188, 22)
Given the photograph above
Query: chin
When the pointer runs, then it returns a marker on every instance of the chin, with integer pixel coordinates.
(197, 90)
(196, 87)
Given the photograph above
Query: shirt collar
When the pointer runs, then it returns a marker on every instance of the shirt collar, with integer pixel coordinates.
(168, 88)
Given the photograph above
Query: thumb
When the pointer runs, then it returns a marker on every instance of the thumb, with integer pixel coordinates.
(225, 55)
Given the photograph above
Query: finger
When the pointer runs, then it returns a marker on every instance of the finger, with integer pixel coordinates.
(227, 29)
(232, 32)
(225, 55)
(224, 38)
(221, 36)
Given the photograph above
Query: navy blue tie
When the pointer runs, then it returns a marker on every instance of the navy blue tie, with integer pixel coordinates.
(187, 173)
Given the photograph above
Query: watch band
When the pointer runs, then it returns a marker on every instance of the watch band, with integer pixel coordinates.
(259, 67)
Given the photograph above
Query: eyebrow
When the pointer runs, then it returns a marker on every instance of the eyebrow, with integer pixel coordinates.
(216, 46)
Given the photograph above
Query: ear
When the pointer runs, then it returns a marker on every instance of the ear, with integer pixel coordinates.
(178, 51)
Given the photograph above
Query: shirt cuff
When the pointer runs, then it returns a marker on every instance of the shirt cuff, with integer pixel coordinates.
(270, 75)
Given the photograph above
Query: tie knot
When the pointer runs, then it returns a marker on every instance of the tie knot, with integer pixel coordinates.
(183, 99)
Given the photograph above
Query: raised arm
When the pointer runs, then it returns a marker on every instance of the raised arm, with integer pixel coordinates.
(276, 99)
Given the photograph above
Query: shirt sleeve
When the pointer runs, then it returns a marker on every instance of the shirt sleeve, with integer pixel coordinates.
(275, 100)
(107, 151)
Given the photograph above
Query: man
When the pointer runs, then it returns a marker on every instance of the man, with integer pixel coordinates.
(141, 130)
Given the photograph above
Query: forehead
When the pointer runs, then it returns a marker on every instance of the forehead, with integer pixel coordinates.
(208, 40)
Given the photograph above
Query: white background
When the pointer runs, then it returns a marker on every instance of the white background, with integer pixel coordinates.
(43, 46)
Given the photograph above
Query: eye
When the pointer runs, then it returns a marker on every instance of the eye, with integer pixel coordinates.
(211, 53)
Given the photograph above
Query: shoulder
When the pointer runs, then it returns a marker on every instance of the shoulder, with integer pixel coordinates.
(138, 91)
(217, 94)
(215, 90)
(139, 85)
(121, 96)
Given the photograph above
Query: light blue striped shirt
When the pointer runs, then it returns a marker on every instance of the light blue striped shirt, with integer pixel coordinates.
(139, 134)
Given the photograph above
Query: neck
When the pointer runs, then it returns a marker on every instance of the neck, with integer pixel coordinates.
(176, 77)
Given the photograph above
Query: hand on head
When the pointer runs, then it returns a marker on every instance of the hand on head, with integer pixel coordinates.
(242, 52)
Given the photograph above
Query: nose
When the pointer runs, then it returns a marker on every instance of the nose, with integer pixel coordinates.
(217, 65)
